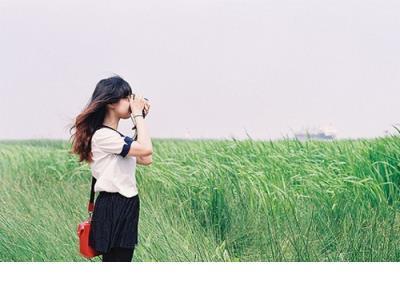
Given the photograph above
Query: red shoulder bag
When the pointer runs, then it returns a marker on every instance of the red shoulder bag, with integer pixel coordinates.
(84, 229)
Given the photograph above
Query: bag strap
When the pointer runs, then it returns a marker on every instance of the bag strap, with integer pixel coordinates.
(92, 193)
(91, 200)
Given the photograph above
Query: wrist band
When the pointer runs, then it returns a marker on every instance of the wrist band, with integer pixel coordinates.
(138, 115)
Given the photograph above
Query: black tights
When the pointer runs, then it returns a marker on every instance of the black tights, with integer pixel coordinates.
(118, 254)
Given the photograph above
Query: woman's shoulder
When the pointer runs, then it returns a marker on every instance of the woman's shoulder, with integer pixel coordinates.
(104, 132)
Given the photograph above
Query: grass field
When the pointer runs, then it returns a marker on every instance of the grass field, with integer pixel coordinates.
(215, 201)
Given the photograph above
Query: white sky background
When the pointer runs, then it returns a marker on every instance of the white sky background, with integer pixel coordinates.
(210, 68)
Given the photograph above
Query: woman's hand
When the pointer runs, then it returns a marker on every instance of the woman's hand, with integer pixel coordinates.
(137, 105)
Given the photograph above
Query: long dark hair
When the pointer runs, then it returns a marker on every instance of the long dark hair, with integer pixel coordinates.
(107, 91)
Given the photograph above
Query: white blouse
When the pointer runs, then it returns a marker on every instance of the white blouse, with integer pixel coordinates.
(113, 169)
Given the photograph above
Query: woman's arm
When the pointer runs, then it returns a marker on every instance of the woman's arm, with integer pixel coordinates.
(142, 145)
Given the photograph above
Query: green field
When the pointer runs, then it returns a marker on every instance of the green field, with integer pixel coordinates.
(215, 201)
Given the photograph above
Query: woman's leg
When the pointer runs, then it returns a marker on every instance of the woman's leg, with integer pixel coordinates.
(119, 254)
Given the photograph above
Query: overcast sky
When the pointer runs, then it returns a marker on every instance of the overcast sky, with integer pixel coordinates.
(211, 69)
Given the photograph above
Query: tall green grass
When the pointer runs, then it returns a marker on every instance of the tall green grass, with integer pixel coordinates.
(215, 201)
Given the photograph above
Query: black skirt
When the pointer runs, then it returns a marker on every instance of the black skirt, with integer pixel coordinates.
(114, 222)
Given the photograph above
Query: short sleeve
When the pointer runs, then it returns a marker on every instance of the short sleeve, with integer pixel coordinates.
(110, 141)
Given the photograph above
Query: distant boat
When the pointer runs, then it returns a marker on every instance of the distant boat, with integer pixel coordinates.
(325, 133)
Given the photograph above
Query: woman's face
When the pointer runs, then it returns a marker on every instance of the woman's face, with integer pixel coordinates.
(122, 108)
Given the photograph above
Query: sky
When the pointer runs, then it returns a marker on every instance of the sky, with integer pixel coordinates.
(210, 68)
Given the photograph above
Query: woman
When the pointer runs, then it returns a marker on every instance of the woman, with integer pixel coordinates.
(112, 157)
